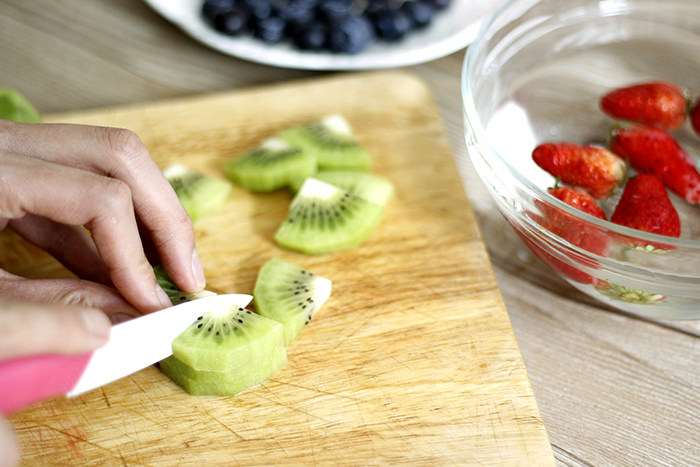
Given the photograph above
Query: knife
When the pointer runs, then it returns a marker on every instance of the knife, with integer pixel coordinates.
(132, 346)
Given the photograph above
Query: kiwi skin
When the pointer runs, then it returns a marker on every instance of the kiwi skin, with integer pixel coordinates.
(175, 294)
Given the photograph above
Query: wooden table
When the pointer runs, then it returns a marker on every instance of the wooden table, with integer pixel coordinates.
(613, 389)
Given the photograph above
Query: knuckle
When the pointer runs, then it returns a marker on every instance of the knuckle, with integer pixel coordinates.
(125, 147)
(115, 195)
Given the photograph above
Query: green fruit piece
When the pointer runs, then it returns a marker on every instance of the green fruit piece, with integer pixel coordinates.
(234, 341)
(289, 294)
(14, 106)
(201, 382)
(365, 185)
(175, 294)
(323, 219)
(626, 294)
(333, 143)
(201, 195)
(272, 165)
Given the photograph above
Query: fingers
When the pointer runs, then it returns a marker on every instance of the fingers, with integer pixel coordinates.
(32, 329)
(104, 205)
(71, 245)
(67, 292)
(121, 155)
(9, 445)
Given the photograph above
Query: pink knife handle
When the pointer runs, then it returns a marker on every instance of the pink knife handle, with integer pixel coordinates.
(26, 380)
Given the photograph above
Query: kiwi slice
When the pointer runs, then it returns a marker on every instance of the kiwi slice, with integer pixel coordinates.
(201, 195)
(272, 165)
(289, 294)
(333, 143)
(323, 218)
(15, 107)
(371, 187)
(226, 351)
(175, 294)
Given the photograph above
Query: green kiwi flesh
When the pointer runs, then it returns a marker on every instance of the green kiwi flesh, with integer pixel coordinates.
(15, 107)
(225, 352)
(175, 294)
(289, 294)
(332, 141)
(368, 186)
(272, 165)
(201, 195)
(323, 219)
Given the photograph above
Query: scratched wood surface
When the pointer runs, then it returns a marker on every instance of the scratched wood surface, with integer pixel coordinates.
(613, 389)
(413, 357)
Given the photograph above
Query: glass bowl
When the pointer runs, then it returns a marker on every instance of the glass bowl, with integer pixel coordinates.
(535, 73)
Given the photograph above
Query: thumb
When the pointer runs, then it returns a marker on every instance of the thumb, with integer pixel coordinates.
(9, 447)
(34, 328)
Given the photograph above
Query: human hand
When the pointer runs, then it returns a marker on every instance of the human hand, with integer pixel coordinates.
(58, 180)
(31, 328)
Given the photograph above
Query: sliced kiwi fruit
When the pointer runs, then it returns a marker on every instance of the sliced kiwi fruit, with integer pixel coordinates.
(15, 107)
(175, 294)
(226, 351)
(332, 141)
(289, 294)
(323, 218)
(368, 186)
(272, 165)
(201, 195)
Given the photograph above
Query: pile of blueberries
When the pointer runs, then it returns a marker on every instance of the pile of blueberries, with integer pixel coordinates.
(340, 26)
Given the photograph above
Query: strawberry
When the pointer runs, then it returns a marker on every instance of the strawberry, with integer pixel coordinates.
(695, 116)
(659, 104)
(645, 205)
(575, 231)
(578, 199)
(593, 168)
(650, 150)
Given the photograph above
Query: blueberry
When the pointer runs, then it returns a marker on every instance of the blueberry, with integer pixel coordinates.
(351, 35)
(311, 36)
(333, 11)
(259, 8)
(234, 22)
(419, 13)
(270, 29)
(213, 8)
(378, 6)
(392, 25)
(439, 4)
(297, 13)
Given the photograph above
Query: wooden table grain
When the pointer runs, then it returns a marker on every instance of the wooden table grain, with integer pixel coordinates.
(612, 388)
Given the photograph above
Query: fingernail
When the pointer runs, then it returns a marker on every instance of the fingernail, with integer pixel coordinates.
(198, 271)
(96, 322)
(163, 297)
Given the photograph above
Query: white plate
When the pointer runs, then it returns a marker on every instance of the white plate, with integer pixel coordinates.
(451, 30)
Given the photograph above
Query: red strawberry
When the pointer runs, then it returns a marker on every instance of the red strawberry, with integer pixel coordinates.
(575, 231)
(578, 199)
(659, 104)
(645, 205)
(593, 168)
(650, 150)
(695, 116)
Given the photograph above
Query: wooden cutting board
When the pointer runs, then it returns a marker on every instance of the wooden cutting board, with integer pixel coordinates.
(412, 359)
